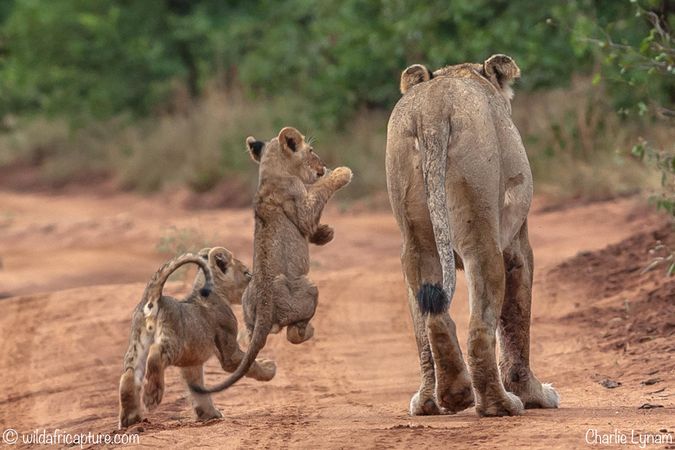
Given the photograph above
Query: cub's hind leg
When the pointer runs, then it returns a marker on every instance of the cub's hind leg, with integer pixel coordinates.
(230, 355)
(202, 404)
(132, 377)
(304, 297)
(130, 399)
(158, 360)
(514, 328)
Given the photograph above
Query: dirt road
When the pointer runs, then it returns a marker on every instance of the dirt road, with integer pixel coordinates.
(74, 267)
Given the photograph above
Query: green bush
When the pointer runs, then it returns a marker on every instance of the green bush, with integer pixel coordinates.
(106, 57)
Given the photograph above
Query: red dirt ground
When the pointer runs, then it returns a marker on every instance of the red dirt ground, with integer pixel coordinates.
(73, 268)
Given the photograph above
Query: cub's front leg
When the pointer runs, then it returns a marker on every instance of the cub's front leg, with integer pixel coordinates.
(331, 183)
(322, 236)
(311, 206)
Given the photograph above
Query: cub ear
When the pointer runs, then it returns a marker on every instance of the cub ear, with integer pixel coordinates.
(290, 139)
(502, 70)
(220, 257)
(204, 253)
(415, 74)
(255, 148)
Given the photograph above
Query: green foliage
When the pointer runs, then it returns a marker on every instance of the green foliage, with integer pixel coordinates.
(664, 162)
(176, 241)
(106, 57)
(100, 58)
(647, 66)
(635, 51)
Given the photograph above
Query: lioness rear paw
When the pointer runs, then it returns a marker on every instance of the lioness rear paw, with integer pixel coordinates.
(457, 401)
(547, 398)
(510, 405)
(423, 406)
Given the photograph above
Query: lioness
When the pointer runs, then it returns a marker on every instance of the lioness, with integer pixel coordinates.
(166, 332)
(460, 187)
(293, 189)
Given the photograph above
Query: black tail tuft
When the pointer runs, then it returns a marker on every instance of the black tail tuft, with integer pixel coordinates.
(432, 299)
(205, 291)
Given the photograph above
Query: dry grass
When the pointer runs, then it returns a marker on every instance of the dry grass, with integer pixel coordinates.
(577, 145)
(199, 147)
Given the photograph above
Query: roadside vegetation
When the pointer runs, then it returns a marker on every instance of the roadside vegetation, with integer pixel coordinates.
(151, 96)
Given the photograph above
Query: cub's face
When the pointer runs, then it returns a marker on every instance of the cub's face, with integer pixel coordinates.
(230, 275)
(287, 154)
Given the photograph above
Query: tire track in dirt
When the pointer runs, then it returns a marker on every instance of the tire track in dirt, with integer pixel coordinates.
(348, 387)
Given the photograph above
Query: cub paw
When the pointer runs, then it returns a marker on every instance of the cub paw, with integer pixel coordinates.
(129, 418)
(207, 414)
(152, 393)
(423, 406)
(509, 405)
(297, 334)
(266, 369)
(323, 235)
(342, 175)
(243, 338)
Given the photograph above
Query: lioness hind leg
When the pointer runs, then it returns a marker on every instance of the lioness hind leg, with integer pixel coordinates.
(202, 404)
(453, 383)
(485, 275)
(445, 379)
(514, 328)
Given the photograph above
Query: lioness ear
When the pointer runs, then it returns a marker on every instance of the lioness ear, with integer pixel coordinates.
(502, 70)
(290, 139)
(415, 74)
(255, 148)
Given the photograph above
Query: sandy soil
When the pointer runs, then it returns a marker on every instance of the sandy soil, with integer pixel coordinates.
(73, 268)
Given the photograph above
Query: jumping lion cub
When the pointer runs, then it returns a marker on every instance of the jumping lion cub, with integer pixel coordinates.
(293, 189)
(167, 332)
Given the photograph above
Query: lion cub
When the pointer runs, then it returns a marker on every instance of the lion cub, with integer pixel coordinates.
(293, 189)
(167, 332)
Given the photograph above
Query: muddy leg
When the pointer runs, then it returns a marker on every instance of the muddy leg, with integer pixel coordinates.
(514, 328)
(202, 404)
(485, 275)
(453, 383)
(423, 403)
